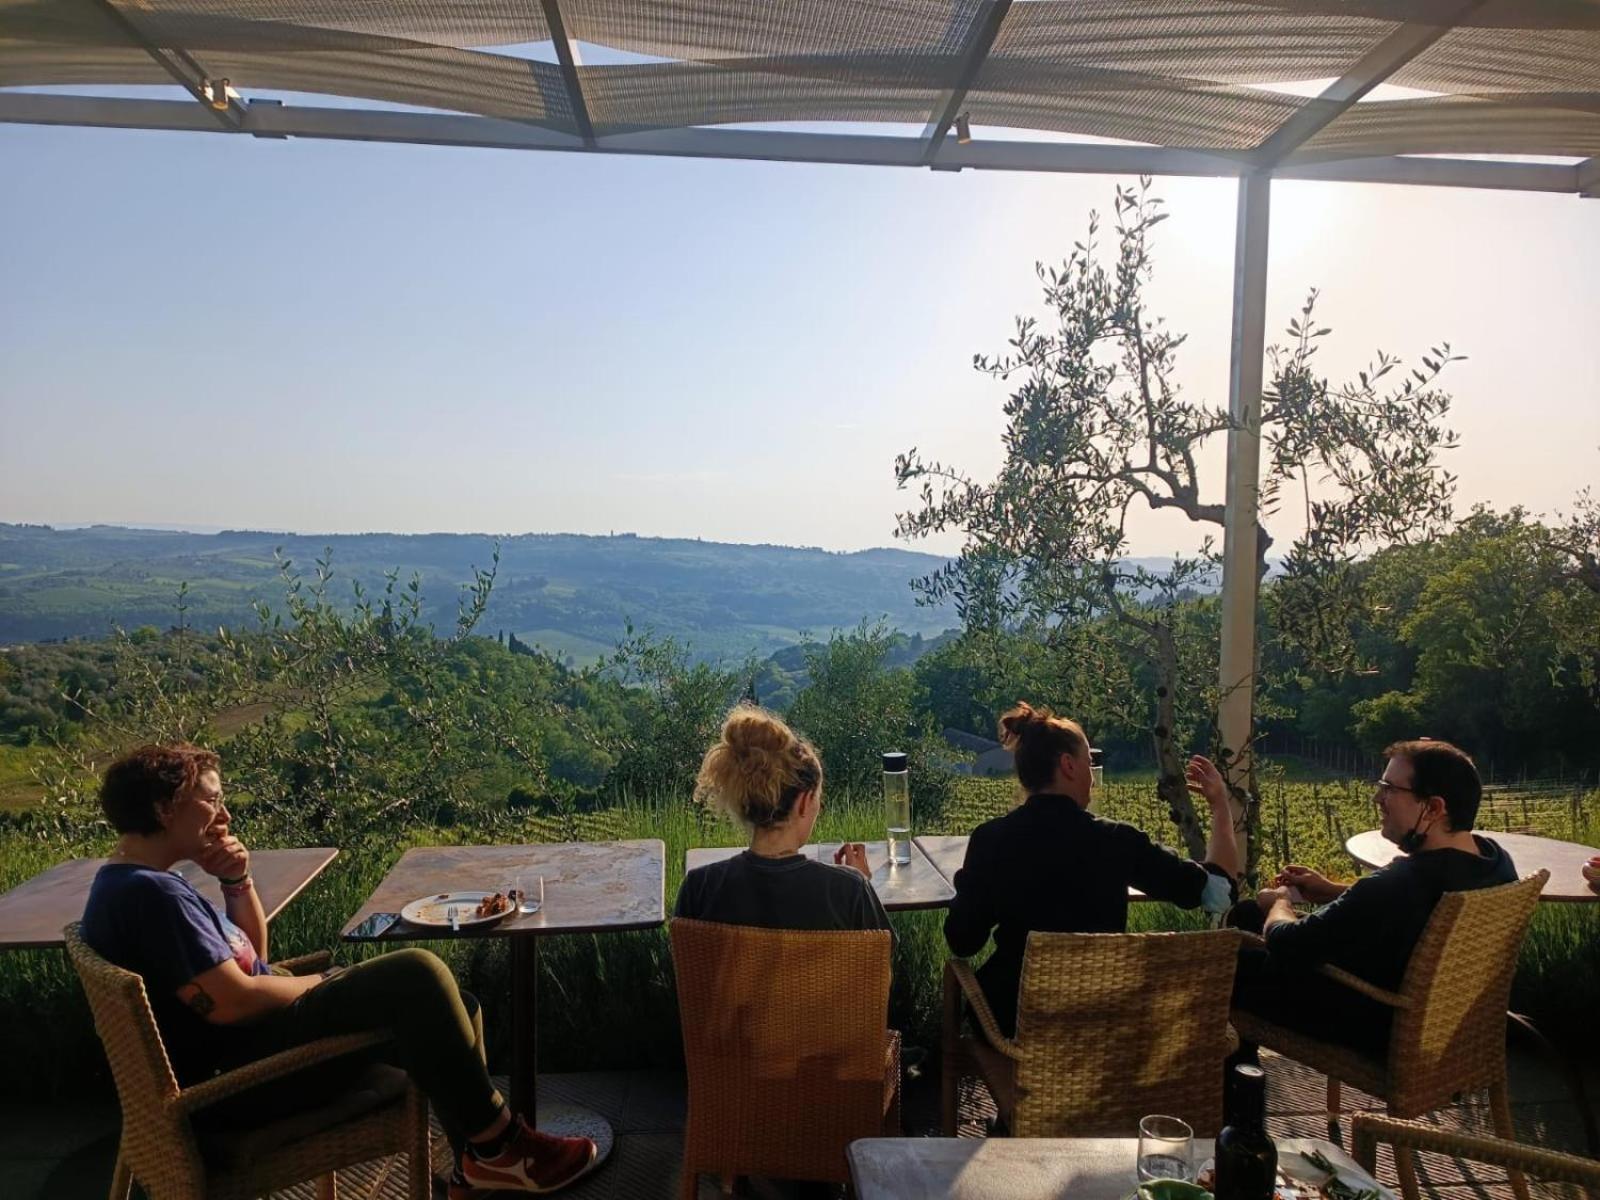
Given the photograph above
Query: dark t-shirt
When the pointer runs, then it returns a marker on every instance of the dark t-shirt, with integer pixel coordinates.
(780, 893)
(1053, 866)
(156, 925)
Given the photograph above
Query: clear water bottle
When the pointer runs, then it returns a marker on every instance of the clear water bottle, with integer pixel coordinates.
(897, 807)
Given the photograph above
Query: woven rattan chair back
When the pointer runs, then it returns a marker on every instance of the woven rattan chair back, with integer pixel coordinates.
(152, 1129)
(1452, 1037)
(784, 1040)
(1112, 1026)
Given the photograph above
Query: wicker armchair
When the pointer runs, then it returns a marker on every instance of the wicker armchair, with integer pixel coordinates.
(380, 1114)
(788, 1057)
(1110, 1026)
(1449, 1032)
(1409, 1137)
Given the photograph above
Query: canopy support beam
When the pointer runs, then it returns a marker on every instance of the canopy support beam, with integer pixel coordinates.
(980, 40)
(1376, 65)
(569, 71)
(1589, 177)
(185, 71)
(1240, 549)
(464, 130)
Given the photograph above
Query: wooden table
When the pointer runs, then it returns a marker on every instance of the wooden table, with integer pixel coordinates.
(33, 914)
(913, 885)
(589, 887)
(1029, 1168)
(1564, 861)
(947, 853)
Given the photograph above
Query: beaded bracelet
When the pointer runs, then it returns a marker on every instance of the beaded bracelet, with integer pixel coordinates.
(237, 887)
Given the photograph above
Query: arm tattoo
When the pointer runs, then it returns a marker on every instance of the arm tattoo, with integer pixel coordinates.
(200, 1002)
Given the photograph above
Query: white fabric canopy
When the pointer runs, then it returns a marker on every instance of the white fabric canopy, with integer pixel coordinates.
(1512, 77)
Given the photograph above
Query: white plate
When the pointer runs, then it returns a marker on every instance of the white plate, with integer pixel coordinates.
(434, 911)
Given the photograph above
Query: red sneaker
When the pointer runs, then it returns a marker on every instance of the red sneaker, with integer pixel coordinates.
(533, 1162)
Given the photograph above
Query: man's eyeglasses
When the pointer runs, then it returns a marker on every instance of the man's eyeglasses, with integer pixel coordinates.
(1385, 787)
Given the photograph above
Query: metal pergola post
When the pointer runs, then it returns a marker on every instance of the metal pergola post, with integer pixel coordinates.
(1240, 553)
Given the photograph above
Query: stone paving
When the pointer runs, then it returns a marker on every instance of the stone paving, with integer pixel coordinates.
(62, 1153)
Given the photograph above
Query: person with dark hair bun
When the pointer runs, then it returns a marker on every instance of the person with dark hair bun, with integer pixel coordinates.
(1051, 865)
(769, 780)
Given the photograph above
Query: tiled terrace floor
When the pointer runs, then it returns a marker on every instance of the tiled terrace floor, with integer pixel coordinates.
(61, 1153)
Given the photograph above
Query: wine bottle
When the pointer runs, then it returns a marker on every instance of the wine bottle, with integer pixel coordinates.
(1247, 1160)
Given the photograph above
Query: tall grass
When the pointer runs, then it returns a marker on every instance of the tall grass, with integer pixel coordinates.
(608, 1000)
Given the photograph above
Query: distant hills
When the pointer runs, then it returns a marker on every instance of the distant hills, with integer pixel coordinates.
(568, 593)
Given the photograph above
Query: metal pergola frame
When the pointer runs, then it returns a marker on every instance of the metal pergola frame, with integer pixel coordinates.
(1280, 155)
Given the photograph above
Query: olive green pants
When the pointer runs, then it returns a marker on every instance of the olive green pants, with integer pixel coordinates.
(411, 994)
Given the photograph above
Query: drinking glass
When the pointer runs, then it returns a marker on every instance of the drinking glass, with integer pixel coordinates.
(530, 891)
(1166, 1150)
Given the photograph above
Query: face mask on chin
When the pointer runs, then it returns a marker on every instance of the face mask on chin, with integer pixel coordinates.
(1413, 840)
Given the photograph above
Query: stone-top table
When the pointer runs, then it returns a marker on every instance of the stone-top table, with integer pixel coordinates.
(32, 914)
(1564, 861)
(589, 887)
(1035, 1168)
(913, 885)
(948, 852)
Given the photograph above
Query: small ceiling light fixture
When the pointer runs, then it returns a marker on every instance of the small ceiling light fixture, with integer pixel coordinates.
(963, 129)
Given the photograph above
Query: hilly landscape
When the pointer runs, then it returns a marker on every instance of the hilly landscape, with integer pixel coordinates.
(572, 595)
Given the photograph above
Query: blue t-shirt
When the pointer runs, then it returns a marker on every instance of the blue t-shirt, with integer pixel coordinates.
(156, 925)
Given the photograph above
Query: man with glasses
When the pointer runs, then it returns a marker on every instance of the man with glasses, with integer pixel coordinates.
(1427, 802)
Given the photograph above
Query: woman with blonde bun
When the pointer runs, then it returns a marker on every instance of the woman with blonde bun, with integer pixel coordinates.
(1051, 865)
(770, 781)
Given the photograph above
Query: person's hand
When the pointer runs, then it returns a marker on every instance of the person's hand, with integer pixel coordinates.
(1203, 778)
(1269, 896)
(853, 854)
(1313, 885)
(223, 855)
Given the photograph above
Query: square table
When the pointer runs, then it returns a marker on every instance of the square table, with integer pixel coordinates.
(904, 888)
(947, 853)
(32, 914)
(1034, 1168)
(589, 887)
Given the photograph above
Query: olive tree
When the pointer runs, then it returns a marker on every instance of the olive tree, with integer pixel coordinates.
(1098, 429)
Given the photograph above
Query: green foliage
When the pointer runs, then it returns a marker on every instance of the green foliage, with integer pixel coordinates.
(569, 594)
(855, 711)
(676, 707)
(1486, 636)
(1097, 429)
(1385, 719)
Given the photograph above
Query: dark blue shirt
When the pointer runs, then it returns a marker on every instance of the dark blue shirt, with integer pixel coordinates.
(156, 925)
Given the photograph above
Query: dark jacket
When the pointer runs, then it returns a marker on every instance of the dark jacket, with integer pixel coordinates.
(1371, 929)
(1052, 866)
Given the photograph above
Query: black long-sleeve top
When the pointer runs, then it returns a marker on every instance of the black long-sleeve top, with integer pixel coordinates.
(1050, 865)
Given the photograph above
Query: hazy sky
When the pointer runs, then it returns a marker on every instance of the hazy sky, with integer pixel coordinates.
(326, 336)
